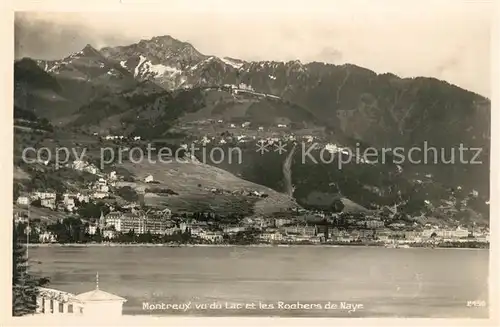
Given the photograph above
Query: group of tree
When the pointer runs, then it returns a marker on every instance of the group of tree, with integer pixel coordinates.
(25, 285)
(43, 181)
(92, 210)
(21, 230)
(69, 230)
(128, 194)
(243, 237)
(148, 237)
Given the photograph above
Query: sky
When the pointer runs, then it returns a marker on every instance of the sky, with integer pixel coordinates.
(446, 39)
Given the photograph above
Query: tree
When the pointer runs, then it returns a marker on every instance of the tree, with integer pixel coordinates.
(16, 191)
(145, 237)
(130, 236)
(93, 210)
(128, 194)
(74, 229)
(20, 231)
(337, 206)
(25, 287)
(36, 203)
(98, 235)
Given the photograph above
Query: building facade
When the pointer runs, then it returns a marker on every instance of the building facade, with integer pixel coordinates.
(92, 303)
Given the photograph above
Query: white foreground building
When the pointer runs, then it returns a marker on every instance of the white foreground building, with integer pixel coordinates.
(93, 303)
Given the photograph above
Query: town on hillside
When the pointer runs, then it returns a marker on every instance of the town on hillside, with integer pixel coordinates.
(90, 216)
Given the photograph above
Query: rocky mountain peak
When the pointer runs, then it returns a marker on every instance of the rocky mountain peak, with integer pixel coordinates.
(159, 49)
(89, 50)
(166, 41)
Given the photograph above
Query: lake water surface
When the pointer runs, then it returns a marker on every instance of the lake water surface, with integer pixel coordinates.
(380, 282)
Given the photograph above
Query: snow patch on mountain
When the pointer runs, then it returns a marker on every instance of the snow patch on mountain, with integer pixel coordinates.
(232, 63)
(161, 69)
(142, 59)
(146, 68)
(202, 62)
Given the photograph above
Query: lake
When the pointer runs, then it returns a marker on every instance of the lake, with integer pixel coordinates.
(276, 281)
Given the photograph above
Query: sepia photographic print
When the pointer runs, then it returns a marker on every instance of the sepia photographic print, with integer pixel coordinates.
(321, 160)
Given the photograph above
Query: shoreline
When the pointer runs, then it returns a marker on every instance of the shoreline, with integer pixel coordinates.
(154, 245)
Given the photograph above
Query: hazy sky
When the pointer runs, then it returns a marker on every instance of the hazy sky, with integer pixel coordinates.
(446, 39)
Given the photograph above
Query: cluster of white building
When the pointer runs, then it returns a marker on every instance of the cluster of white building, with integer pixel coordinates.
(446, 233)
(82, 165)
(100, 189)
(67, 202)
(248, 89)
(120, 137)
(48, 200)
(137, 220)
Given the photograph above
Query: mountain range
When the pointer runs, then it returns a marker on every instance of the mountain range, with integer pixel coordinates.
(162, 87)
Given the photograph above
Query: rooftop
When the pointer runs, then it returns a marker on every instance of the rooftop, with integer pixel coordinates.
(98, 295)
